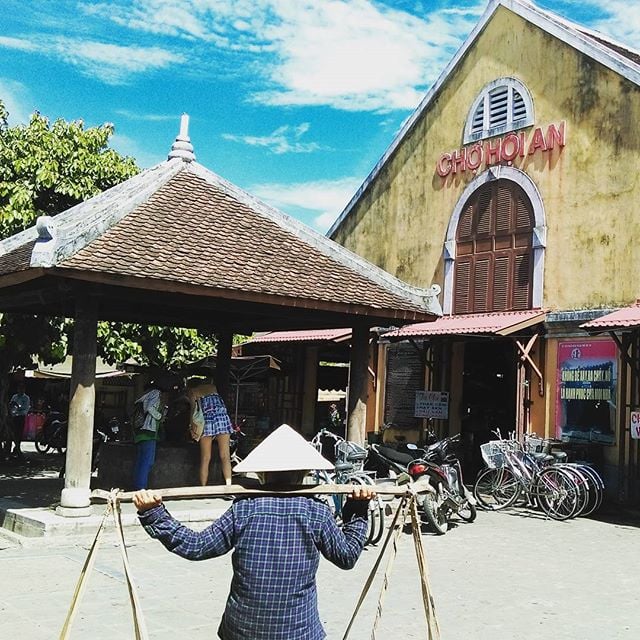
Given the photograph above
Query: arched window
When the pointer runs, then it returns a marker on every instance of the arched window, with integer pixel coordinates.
(503, 105)
(494, 253)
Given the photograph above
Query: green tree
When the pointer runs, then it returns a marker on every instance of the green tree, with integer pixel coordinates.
(46, 168)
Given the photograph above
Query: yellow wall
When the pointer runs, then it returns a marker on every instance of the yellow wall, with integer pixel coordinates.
(590, 190)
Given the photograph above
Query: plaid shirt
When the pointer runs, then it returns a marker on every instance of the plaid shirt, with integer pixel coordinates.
(277, 544)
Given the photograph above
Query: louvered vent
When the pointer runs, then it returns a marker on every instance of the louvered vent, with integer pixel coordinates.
(519, 106)
(498, 107)
(504, 105)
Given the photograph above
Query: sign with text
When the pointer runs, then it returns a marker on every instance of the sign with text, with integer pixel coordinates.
(586, 388)
(432, 404)
(635, 425)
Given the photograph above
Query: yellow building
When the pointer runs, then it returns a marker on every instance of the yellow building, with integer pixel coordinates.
(514, 186)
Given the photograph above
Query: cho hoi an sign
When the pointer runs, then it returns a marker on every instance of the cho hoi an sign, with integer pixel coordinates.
(507, 148)
(634, 425)
(432, 404)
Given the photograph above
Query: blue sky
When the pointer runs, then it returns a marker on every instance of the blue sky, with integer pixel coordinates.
(292, 100)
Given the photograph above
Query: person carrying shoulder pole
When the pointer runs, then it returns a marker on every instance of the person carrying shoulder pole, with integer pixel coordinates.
(277, 542)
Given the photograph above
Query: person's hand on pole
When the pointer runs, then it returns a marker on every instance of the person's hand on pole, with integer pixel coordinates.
(146, 499)
(363, 492)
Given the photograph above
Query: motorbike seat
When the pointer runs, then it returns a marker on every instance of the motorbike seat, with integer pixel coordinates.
(396, 456)
(543, 457)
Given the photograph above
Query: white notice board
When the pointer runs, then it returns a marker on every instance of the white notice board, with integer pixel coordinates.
(635, 425)
(432, 404)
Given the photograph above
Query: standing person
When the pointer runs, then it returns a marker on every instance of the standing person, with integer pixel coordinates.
(146, 435)
(277, 542)
(217, 424)
(19, 406)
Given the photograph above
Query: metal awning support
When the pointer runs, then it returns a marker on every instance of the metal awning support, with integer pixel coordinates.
(526, 358)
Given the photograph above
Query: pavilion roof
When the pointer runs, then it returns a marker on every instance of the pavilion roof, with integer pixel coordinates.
(180, 229)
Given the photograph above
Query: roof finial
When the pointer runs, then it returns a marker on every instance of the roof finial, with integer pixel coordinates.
(182, 147)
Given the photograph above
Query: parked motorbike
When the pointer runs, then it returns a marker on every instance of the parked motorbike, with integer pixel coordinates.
(439, 464)
(53, 434)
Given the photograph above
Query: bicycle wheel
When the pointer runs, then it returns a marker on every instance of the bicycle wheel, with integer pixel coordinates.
(496, 489)
(467, 512)
(434, 511)
(557, 493)
(596, 485)
(376, 510)
(582, 484)
(42, 446)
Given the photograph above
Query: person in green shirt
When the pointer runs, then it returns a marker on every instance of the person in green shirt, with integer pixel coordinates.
(145, 436)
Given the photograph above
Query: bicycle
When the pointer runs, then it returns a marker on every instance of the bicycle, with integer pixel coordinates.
(349, 459)
(513, 472)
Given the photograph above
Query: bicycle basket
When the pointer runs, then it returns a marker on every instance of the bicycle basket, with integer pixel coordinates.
(350, 452)
(534, 444)
(493, 452)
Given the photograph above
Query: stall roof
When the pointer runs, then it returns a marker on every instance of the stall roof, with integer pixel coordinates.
(497, 323)
(626, 318)
(63, 370)
(317, 335)
(179, 245)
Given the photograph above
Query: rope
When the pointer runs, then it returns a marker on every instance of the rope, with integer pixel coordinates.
(139, 625)
(407, 507)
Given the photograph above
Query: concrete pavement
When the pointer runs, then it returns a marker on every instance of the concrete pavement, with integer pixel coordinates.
(507, 576)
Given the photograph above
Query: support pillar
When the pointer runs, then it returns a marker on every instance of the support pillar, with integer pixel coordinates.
(358, 385)
(310, 393)
(223, 362)
(74, 500)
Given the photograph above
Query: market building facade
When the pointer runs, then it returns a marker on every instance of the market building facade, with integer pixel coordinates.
(514, 186)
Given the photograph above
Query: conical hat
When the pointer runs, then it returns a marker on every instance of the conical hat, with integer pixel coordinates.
(283, 450)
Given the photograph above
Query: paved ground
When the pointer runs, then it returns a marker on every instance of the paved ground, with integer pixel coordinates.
(508, 576)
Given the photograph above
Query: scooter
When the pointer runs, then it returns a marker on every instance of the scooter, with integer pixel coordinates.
(53, 434)
(441, 465)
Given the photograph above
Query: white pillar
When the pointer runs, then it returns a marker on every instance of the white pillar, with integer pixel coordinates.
(74, 500)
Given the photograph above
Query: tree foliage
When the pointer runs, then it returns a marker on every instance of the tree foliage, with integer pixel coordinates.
(46, 168)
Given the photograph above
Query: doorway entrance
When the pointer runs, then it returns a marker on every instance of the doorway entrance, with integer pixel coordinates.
(488, 396)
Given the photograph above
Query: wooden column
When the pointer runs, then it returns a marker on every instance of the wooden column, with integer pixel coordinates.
(310, 393)
(358, 385)
(74, 500)
(223, 362)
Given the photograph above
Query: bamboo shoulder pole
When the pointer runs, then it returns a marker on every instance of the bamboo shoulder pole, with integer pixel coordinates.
(189, 493)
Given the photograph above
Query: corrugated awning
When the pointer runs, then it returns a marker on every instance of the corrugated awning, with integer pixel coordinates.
(314, 335)
(627, 318)
(498, 323)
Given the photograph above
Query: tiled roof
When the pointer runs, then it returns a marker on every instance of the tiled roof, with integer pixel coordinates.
(17, 259)
(193, 232)
(317, 335)
(180, 223)
(627, 318)
(499, 323)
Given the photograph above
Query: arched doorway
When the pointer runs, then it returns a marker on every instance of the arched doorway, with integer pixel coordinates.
(494, 250)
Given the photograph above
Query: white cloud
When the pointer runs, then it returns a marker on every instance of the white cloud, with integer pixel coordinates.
(285, 139)
(113, 63)
(17, 101)
(357, 55)
(110, 63)
(17, 43)
(148, 117)
(324, 199)
(622, 21)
